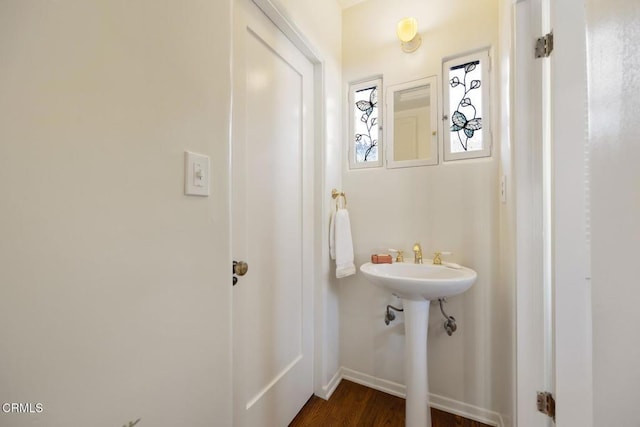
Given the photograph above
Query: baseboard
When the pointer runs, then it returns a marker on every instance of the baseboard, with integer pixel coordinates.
(389, 387)
(439, 402)
(466, 410)
(328, 389)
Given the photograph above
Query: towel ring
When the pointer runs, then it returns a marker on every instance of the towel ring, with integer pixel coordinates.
(335, 194)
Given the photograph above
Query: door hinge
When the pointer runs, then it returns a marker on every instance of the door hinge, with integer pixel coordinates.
(544, 46)
(546, 404)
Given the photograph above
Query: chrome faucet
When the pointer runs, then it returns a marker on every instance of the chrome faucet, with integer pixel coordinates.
(417, 253)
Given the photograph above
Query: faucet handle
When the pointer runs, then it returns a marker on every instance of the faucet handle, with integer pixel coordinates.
(399, 254)
(417, 247)
(437, 257)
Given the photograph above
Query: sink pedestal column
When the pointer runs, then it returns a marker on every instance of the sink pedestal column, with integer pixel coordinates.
(416, 320)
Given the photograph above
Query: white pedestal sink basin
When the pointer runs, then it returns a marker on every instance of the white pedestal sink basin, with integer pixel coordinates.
(417, 285)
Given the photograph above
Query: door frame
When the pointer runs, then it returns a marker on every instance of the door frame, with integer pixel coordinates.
(570, 251)
(286, 25)
(532, 333)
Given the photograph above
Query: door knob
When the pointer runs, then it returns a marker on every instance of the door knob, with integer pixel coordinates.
(240, 268)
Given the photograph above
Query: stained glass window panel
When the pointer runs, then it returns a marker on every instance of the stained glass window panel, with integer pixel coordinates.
(465, 107)
(365, 125)
(466, 81)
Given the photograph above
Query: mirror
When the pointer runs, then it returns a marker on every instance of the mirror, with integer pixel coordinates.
(411, 124)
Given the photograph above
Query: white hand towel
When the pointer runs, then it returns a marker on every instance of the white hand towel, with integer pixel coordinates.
(343, 244)
(332, 235)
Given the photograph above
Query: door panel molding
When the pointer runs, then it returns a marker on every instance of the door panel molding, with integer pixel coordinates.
(273, 220)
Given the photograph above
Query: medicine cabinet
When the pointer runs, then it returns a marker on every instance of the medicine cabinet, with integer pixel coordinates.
(411, 123)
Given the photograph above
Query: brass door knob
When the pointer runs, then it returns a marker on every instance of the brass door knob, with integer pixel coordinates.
(240, 268)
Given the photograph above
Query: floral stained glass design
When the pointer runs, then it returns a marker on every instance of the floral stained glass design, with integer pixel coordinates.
(465, 105)
(365, 126)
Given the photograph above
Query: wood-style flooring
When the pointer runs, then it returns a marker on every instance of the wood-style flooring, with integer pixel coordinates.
(355, 405)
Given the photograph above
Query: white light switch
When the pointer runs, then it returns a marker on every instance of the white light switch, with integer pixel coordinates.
(196, 174)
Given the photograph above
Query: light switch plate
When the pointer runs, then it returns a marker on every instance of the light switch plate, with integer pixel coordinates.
(196, 174)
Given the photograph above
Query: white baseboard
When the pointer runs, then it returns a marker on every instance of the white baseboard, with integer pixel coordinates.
(328, 389)
(389, 387)
(439, 402)
(466, 410)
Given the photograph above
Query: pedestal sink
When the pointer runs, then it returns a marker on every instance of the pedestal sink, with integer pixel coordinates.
(417, 285)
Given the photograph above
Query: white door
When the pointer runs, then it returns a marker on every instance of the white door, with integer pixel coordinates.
(272, 222)
(532, 146)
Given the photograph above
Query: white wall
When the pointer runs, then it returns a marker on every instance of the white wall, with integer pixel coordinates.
(453, 206)
(504, 293)
(115, 286)
(613, 61)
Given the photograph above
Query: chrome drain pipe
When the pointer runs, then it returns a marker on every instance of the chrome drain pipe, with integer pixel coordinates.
(449, 324)
(390, 316)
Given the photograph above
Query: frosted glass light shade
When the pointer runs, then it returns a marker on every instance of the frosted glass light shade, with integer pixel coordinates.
(407, 31)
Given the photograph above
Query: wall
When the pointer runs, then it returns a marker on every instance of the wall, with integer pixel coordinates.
(453, 206)
(115, 286)
(504, 293)
(116, 296)
(613, 37)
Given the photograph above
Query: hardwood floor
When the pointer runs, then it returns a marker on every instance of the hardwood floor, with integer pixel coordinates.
(359, 406)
